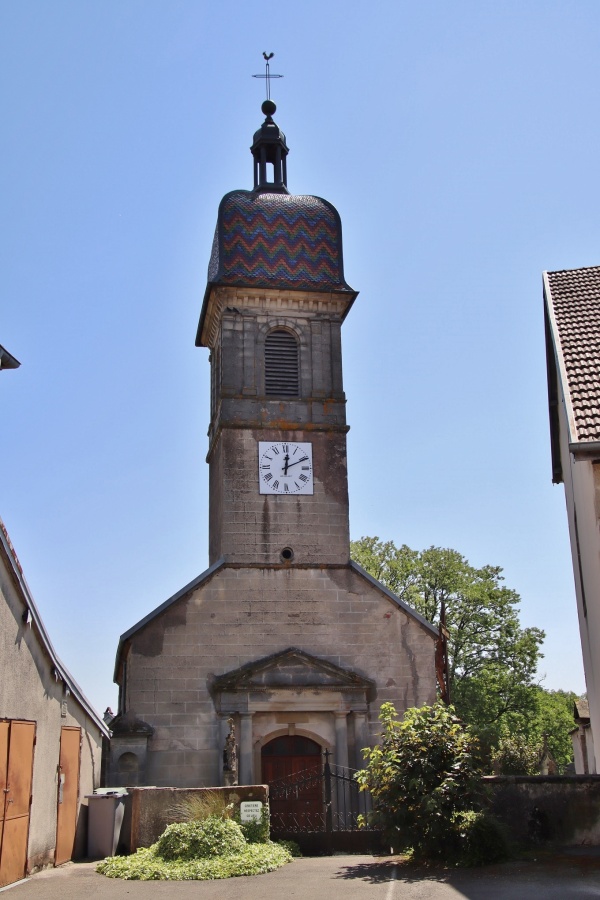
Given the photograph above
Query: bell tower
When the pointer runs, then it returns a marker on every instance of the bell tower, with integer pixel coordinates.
(272, 314)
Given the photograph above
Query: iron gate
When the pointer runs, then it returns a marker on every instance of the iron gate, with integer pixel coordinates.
(333, 823)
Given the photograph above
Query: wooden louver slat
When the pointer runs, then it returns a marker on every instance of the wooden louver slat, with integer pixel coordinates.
(281, 365)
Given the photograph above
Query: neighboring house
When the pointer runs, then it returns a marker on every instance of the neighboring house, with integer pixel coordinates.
(50, 737)
(572, 312)
(583, 744)
(283, 634)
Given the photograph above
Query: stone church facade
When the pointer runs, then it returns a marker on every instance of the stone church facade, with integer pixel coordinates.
(283, 633)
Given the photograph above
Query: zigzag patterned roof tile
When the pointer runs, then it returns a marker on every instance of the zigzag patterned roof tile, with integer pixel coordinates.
(278, 240)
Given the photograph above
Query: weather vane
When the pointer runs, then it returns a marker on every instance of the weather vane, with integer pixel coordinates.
(267, 76)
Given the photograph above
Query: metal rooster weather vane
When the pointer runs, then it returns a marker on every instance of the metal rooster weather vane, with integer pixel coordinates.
(268, 75)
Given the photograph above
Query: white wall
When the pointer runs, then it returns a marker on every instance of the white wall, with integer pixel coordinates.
(581, 482)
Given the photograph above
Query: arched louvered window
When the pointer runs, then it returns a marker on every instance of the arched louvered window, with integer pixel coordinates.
(282, 377)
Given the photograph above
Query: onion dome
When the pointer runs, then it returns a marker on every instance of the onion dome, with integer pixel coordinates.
(269, 238)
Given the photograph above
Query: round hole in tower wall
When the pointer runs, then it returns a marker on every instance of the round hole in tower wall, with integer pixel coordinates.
(287, 554)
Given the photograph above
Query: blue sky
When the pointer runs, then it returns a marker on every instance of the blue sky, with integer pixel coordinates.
(459, 142)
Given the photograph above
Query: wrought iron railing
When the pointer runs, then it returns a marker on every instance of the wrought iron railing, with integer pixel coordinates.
(342, 803)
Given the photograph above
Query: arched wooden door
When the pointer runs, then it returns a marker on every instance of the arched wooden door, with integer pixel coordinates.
(293, 766)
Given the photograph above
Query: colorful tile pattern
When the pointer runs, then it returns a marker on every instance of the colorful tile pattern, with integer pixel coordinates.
(282, 240)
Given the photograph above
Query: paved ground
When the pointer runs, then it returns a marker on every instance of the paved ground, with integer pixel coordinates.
(327, 878)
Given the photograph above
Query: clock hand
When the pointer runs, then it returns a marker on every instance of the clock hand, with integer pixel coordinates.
(304, 458)
(287, 462)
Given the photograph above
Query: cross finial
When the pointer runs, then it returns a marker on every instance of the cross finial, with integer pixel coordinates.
(268, 75)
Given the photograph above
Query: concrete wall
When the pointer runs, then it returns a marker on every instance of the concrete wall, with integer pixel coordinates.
(149, 810)
(30, 691)
(548, 809)
(245, 614)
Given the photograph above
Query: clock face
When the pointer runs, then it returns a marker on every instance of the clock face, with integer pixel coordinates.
(285, 468)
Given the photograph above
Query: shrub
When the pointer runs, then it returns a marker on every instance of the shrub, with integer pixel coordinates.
(291, 846)
(424, 772)
(146, 865)
(256, 831)
(213, 836)
(480, 838)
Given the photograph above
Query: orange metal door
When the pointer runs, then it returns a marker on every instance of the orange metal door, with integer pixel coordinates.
(68, 793)
(17, 740)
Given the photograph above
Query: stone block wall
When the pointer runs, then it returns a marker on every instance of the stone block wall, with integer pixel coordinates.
(243, 614)
(548, 809)
(149, 810)
(249, 527)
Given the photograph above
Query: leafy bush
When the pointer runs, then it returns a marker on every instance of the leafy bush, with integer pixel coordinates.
(291, 846)
(422, 776)
(146, 865)
(213, 836)
(256, 831)
(479, 839)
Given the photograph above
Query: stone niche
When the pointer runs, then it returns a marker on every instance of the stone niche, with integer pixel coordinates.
(128, 751)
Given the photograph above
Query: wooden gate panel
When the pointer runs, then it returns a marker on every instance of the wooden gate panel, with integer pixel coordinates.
(4, 727)
(68, 793)
(20, 768)
(282, 759)
(19, 740)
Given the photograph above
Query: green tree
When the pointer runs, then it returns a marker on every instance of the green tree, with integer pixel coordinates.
(551, 722)
(426, 786)
(516, 755)
(492, 659)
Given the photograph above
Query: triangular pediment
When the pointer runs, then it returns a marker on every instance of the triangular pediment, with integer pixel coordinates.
(291, 669)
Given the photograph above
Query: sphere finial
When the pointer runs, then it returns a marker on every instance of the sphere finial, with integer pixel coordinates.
(268, 107)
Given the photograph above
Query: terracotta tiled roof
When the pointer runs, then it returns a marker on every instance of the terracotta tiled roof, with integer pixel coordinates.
(574, 307)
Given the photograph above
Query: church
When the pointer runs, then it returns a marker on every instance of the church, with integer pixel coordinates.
(283, 634)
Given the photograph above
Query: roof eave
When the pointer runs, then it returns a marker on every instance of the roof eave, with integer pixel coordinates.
(425, 624)
(200, 579)
(585, 449)
(557, 382)
(7, 360)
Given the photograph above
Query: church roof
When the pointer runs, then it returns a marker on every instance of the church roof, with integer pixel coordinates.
(221, 564)
(266, 239)
(572, 300)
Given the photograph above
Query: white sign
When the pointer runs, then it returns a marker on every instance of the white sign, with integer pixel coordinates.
(250, 810)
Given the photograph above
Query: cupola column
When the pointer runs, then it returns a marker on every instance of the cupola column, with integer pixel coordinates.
(269, 146)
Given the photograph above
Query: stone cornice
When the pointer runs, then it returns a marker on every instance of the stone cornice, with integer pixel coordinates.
(270, 302)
